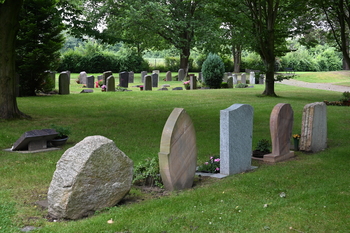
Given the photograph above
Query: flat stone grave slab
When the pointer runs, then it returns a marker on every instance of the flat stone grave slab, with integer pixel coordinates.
(34, 140)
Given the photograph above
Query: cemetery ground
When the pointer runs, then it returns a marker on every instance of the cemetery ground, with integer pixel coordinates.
(309, 193)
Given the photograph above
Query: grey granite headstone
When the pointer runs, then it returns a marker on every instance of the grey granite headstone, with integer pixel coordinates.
(131, 77)
(87, 91)
(110, 83)
(143, 74)
(90, 81)
(252, 78)
(236, 133)
(261, 79)
(181, 74)
(235, 80)
(314, 127)
(155, 79)
(82, 77)
(148, 83)
(106, 74)
(168, 76)
(124, 79)
(243, 78)
(230, 82)
(34, 140)
(92, 175)
(177, 89)
(63, 83)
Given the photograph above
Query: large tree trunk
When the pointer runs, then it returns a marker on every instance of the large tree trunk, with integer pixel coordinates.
(270, 79)
(9, 25)
(184, 58)
(237, 57)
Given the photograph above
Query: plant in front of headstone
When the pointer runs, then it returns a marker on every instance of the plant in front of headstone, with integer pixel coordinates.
(147, 173)
(211, 166)
(103, 87)
(241, 85)
(263, 147)
(187, 85)
(62, 136)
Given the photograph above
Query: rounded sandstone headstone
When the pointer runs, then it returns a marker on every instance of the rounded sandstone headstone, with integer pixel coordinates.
(90, 176)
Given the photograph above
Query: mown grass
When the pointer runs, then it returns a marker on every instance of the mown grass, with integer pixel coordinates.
(316, 185)
(336, 77)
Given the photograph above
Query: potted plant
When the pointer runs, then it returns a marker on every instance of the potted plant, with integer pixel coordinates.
(296, 138)
(62, 136)
(262, 148)
(103, 87)
(187, 85)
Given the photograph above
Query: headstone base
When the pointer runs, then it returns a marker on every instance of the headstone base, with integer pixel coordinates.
(271, 158)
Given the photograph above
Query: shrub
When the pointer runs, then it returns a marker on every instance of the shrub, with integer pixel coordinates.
(263, 145)
(146, 173)
(213, 70)
(212, 166)
(241, 85)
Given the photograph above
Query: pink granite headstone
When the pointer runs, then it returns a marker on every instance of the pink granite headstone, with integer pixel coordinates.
(281, 126)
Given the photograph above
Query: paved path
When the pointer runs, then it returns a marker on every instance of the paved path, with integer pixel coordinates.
(323, 86)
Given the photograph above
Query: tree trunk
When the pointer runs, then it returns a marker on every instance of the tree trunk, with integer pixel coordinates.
(270, 79)
(237, 57)
(9, 11)
(184, 58)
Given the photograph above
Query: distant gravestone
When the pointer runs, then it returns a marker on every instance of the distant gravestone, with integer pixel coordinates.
(177, 88)
(178, 151)
(90, 81)
(243, 78)
(252, 78)
(281, 126)
(148, 83)
(193, 82)
(100, 77)
(261, 79)
(124, 79)
(143, 74)
(225, 77)
(181, 74)
(236, 133)
(314, 127)
(235, 80)
(200, 77)
(230, 82)
(34, 140)
(155, 79)
(82, 77)
(168, 76)
(110, 83)
(52, 76)
(131, 77)
(63, 83)
(155, 72)
(106, 74)
(92, 175)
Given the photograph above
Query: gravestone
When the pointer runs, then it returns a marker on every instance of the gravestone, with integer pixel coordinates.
(110, 83)
(148, 83)
(243, 78)
(92, 175)
(314, 127)
(178, 151)
(252, 78)
(165, 85)
(177, 88)
(143, 74)
(63, 83)
(193, 82)
(90, 81)
(281, 126)
(131, 76)
(156, 72)
(230, 82)
(236, 133)
(82, 77)
(100, 77)
(200, 77)
(181, 74)
(261, 79)
(224, 79)
(124, 79)
(52, 76)
(168, 76)
(106, 74)
(34, 140)
(155, 79)
(235, 79)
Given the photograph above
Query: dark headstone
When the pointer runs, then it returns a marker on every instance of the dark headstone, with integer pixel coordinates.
(90, 81)
(155, 80)
(148, 83)
(106, 74)
(34, 140)
(131, 77)
(177, 88)
(124, 79)
(63, 83)
(87, 91)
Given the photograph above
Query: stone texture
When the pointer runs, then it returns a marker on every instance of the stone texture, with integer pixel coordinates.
(63, 83)
(106, 74)
(235, 79)
(148, 83)
(236, 133)
(143, 74)
(230, 82)
(314, 127)
(193, 82)
(168, 76)
(155, 79)
(281, 126)
(110, 83)
(178, 151)
(131, 77)
(90, 82)
(34, 140)
(252, 78)
(82, 77)
(124, 79)
(92, 175)
(181, 74)
(261, 79)
(243, 78)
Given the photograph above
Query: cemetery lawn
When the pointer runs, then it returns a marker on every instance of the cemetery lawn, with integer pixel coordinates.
(334, 77)
(317, 186)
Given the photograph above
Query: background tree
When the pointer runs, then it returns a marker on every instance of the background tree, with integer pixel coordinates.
(38, 43)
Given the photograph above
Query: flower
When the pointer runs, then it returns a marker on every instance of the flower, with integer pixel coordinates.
(103, 87)
(296, 136)
(96, 84)
(211, 166)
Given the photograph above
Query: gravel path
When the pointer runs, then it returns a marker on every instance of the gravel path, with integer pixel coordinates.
(323, 86)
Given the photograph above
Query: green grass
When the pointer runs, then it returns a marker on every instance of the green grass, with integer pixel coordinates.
(336, 77)
(316, 185)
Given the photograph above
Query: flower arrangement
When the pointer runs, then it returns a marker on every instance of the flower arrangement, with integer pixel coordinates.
(103, 87)
(212, 166)
(187, 84)
(296, 136)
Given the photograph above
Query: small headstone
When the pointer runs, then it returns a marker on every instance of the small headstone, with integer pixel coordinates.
(177, 88)
(252, 78)
(235, 79)
(90, 82)
(100, 77)
(148, 83)
(261, 79)
(193, 82)
(163, 89)
(131, 76)
(82, 77)
(243, 78)
(168, 76)
(63, 83)
(155, 79)
(34, 140)
(110, 83)
(106, 74)
(178, 151)
(155, 72)
(143, 74)
(92, 175)
(281, 126)
(236, 133)
(181, 74)
(124, 79)
(230, 82)
(166, 85)
(314, 127)
(87, 91)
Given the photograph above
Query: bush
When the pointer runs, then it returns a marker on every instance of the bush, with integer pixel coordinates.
(213, 70)
(241, 85)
